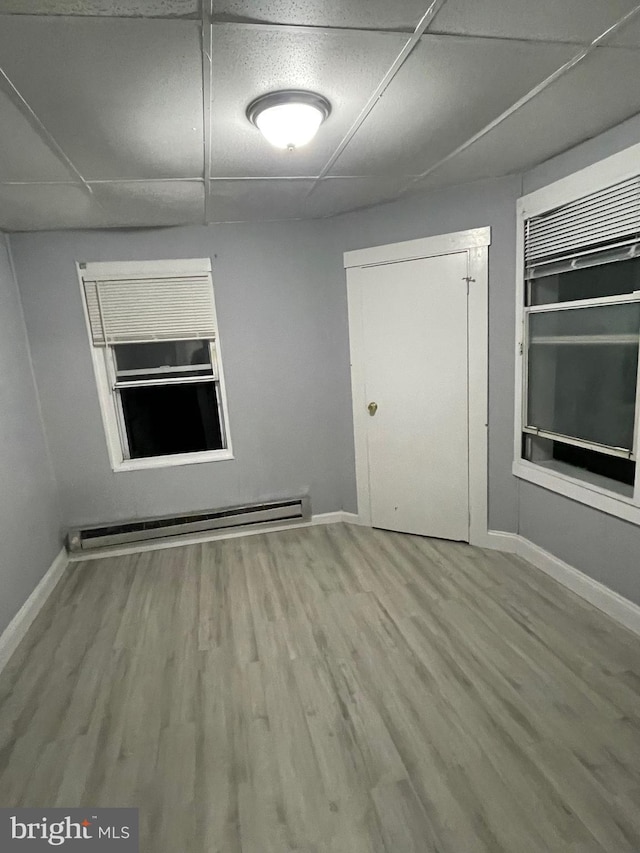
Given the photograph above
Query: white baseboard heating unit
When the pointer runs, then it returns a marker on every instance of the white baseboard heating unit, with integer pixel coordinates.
(118, 533)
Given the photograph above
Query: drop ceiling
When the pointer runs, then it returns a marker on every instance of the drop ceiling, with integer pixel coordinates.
(131, 113)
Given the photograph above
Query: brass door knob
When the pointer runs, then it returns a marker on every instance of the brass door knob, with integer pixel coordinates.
(373, 408)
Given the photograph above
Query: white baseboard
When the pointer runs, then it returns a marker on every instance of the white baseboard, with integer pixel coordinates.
(497, 540)
(16, 629)
(333, 517)
(619, 608)
(209, 536)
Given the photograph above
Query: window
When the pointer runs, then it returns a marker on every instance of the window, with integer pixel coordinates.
(578, 411)
(156, 354)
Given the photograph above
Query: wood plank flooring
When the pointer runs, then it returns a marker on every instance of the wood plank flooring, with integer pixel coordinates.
(329, 690)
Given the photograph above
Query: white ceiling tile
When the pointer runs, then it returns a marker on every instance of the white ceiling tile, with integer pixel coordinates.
(628, 36)
(448, 89)
(547, 20)
(122, 98)
(562, 116)
(338, 195)
(150, 203)
(25, 156)
(41, 207)
(366, 14)
(242, 201)
(119, 205)
(345, 67)
(109, 8)
(248, 201)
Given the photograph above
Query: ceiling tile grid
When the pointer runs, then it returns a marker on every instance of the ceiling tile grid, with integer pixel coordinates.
(551, 122)
(448, 89)
(26, 156)
(356, 14)
(252, 200)
(629, 36)
(106, 8)
(123, 98)
(149, 203)
(38, 207)
(574, 21)
(103, 121)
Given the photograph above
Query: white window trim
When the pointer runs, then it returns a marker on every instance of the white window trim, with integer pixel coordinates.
(146, 269)
(475, 243)
(612, 170)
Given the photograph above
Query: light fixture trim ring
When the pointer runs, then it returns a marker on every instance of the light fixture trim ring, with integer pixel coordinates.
(288, 96)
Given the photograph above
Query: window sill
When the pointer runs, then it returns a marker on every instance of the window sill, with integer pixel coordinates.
(578, 490)
(172, 461)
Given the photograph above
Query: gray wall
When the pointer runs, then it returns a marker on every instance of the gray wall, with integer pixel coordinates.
(283, 329)
(281, 297)
(602, 546)
(610, 142)
(29, 520)
(456, 209)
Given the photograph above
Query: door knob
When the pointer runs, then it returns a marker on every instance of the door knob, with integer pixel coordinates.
(373, 408)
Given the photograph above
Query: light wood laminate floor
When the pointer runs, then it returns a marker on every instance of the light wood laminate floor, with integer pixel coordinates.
(329, 690)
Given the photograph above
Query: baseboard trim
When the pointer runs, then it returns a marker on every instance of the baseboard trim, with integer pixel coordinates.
(210, 536)
(333, 517)
(16, 629)
(497, 540)
(612, 603)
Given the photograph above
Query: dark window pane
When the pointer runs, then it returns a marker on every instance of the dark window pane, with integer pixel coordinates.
(582, 372)
(166, 419)
(590, 466)
(613, 467)
(156, 373)
(589, 283)
(161, 354)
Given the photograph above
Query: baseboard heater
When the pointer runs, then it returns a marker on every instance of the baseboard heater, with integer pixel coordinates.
(118, 533)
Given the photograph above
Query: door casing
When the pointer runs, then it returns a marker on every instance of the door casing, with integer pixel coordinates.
(475, 242)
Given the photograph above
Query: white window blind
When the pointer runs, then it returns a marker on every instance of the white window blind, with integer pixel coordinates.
(605, 219)
(142, 310)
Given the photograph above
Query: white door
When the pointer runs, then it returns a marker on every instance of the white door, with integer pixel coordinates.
(414, 346)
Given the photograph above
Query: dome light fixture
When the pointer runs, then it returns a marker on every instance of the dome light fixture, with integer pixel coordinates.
(290, 118)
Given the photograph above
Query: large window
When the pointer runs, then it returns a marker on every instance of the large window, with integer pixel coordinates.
(578, 414)
(156, 353)
(581, 375)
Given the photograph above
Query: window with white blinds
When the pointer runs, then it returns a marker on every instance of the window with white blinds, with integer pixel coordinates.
(577, 416)
(157, 361)
(602, 227)
(141, 310)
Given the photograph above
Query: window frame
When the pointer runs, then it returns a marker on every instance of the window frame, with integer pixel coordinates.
(103, 361)
(599, 176)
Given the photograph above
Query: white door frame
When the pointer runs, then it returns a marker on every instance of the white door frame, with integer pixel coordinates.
(475, 242)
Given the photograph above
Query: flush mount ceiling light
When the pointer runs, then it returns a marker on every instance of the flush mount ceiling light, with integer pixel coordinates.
(288, 119)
